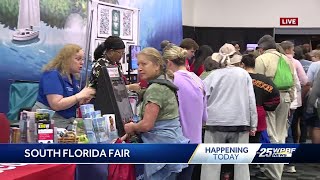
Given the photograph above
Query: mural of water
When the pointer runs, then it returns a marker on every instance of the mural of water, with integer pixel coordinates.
(24, 60)
(159, 20)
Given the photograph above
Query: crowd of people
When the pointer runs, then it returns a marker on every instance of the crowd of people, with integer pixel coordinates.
(196, 95)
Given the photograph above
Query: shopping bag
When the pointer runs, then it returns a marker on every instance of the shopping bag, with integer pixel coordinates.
(121, 171)
(264, 138)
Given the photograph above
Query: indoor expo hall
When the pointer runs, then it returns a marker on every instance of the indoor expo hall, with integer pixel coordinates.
(159, 90)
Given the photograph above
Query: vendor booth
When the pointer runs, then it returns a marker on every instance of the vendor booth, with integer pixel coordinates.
(102, 121)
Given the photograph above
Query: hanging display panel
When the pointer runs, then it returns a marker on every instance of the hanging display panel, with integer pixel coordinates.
(114, 21)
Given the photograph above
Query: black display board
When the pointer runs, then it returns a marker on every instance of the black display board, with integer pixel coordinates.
(112, 97)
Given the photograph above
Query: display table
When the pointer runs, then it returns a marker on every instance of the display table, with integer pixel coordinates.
(35, 172)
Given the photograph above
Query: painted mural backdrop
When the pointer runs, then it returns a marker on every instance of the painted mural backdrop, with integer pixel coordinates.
(33, 31)
(159, 20)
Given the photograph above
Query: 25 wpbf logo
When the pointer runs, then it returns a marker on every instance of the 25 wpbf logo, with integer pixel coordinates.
(275, 152)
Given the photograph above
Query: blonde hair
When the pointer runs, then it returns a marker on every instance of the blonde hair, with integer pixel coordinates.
(155, 57)
(63, 60)
(315, 53)
(175, 54)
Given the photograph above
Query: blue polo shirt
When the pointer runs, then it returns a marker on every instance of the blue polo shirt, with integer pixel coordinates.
(52, 82)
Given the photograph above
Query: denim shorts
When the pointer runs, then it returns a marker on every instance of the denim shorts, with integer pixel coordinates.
(312, 119)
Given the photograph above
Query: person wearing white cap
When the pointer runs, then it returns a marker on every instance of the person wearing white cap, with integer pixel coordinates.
(232, 113)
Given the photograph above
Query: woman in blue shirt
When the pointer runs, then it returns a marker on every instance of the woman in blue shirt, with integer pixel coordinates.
(59, 87)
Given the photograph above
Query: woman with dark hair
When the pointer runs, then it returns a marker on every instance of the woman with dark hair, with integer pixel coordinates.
(237, 46)
(98, 52)
(299, 55)
(210, 64)
(198, 65)
(108, 53)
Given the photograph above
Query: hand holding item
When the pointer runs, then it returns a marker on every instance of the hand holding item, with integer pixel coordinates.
(129, 128)
(85, 94)
(252, 132)
(112, 128)
(124, 137)
(134, 87)
(85, 101)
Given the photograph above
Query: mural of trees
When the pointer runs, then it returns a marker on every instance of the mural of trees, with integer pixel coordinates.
(9, 10)
(55, 12)
(52, 12)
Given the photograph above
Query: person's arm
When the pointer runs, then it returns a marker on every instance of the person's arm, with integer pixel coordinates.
(205, 111)
(57, 102)
(303, 78)
(305, 91)
(152, 109)
(305, 83)
(310, 73)
(273, 98)
(93, 80)
(147, 123)
(53, 89)
(252, 105)
(207, 86)
(292, 90)
(316, 88)
(136, 87)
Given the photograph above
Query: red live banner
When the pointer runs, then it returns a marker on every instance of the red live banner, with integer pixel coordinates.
(289, 21)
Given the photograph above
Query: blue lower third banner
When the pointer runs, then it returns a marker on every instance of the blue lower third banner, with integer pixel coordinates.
(159, 153)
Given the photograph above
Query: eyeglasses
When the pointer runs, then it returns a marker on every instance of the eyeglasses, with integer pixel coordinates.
(79, 59)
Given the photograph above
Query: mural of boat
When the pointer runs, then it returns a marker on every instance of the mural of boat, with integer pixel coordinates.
(29, 17)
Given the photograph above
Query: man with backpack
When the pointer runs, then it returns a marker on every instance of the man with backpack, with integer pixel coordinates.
(280, 70)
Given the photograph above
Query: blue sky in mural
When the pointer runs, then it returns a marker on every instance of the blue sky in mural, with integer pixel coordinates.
(159, 20)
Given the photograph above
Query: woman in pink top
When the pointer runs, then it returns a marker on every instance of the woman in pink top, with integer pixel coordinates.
(192, 100)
